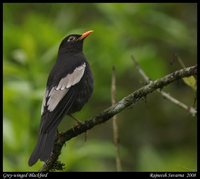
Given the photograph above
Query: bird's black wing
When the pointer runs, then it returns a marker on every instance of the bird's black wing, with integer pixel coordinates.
(57, 101)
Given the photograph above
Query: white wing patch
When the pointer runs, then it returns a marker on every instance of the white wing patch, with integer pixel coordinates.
(55, 97)
(58, 92)
(72, 78)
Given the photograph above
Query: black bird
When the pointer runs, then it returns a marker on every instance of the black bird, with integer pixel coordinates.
(69, 86)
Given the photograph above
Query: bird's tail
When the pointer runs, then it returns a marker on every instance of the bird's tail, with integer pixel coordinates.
(44, 147)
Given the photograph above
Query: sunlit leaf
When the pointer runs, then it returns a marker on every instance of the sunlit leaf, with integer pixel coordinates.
(191, 82)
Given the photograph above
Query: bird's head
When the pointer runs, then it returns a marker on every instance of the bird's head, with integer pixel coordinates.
(73, 42)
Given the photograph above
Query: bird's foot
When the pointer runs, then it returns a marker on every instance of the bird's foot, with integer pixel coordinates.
(79, 123)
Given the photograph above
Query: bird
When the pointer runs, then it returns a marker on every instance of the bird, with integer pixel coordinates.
(68, 88)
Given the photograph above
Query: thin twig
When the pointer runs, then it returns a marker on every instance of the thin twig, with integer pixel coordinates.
(180, 61)
(115, 126)
(108, 113)
(191, 110)
(175, 101)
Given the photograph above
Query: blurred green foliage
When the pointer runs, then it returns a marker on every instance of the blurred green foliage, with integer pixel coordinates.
(155, 135)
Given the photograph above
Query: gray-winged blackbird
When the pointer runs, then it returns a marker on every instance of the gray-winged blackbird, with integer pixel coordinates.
(69, 86)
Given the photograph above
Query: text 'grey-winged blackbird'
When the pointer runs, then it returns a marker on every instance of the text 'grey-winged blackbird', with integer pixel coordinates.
(69, 86)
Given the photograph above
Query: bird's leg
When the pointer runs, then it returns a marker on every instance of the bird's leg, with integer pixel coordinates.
(57, 134)
(86, 134)
(78, 121)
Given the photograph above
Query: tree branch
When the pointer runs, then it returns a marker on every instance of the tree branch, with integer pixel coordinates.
(111, 111)
(167, 96)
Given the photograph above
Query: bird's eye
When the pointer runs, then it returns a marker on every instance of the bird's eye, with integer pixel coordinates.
(71, 38)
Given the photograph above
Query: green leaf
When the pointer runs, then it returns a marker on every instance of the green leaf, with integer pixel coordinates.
(191, 82)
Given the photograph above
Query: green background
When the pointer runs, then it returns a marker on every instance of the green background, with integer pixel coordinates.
(155, 135)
